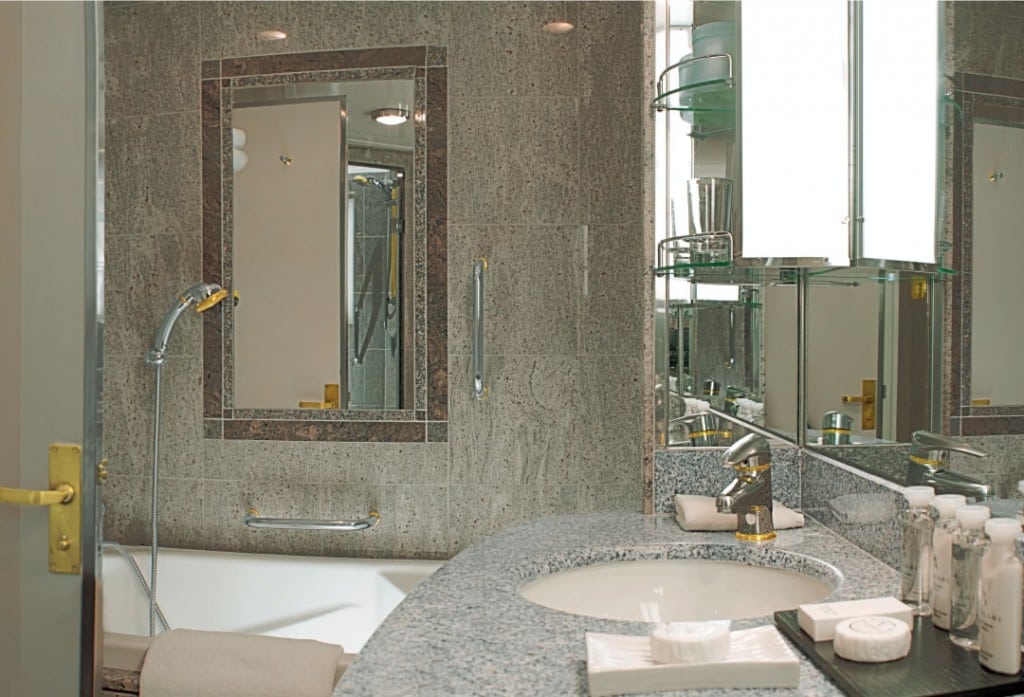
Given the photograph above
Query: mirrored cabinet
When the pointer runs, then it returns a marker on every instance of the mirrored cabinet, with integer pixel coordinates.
(800, 280)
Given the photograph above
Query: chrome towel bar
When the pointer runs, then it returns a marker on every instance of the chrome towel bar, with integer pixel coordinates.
(253, 520)
(479, 266)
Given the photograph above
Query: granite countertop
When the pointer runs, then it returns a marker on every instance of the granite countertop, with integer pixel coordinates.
(466, 630)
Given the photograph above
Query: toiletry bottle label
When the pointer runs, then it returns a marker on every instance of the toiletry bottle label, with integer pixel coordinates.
(999, 618)
(942, 579)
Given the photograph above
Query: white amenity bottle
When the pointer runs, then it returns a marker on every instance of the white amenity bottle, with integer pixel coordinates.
(916, 564)
(946, 525)
(999, 612)
(969, 543)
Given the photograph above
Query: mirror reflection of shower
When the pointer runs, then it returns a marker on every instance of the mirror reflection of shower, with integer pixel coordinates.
(373, 292)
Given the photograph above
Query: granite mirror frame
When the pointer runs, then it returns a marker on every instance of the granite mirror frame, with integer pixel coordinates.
(986, 99)
(428, 420)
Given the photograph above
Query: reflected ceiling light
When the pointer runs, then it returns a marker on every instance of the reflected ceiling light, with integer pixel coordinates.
(558, 26)
(390, 116)
(271, 35)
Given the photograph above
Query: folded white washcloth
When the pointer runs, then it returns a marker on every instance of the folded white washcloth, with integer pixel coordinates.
(189, 663)
(696, 406)
(700, 513)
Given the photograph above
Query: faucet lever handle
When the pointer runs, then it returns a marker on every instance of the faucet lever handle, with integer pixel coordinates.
(923, 443)
(750, 445)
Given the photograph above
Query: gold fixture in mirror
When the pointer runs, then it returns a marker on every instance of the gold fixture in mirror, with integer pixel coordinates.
(332, 399)
(866, 399)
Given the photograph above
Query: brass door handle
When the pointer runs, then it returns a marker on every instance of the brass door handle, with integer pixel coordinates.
(332, 399)
(64, 503)
(60, 494)
(867, 396)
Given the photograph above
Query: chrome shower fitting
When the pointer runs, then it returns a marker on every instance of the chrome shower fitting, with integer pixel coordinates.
(202, 296)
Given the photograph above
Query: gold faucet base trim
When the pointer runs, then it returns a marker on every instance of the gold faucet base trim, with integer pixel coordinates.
(755, 537)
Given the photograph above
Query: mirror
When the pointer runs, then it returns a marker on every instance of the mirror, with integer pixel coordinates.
(321, 201)
(986, 390)
(855, 321)
(332, 229)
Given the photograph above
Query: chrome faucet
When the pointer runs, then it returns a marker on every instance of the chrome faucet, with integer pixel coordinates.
(749, 495)
(929, 457)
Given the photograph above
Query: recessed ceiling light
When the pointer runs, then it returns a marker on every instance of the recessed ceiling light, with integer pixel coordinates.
(558, 26)
(271, 35)
(390, 116)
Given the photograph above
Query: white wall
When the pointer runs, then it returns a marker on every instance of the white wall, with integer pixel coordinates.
(52, 316)
(286, 255)
(842, 337)
(10, 337)
(997, 332)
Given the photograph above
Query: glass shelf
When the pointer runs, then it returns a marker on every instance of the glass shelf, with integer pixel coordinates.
(704, 93)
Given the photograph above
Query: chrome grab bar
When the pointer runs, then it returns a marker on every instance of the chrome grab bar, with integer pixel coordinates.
(479, 266)
(253, 520)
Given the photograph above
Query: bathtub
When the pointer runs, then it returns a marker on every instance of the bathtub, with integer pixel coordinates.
(336, 600)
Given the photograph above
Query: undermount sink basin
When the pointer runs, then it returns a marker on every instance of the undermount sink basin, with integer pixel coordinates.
(677, 590)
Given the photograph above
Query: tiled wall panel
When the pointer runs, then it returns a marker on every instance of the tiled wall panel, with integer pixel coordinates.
(546, 148)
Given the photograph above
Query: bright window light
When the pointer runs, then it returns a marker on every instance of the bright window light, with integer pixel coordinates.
(901, 72)
(794, 117)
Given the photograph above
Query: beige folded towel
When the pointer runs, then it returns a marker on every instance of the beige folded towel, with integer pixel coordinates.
(700, 513)
(189, 663)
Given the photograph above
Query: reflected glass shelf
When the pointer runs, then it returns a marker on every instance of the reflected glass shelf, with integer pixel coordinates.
(713, 96)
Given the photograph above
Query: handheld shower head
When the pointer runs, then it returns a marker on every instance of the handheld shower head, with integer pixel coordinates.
(202, 296)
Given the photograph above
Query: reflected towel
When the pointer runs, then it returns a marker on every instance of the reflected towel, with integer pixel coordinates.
(189, 663)
(699, 513)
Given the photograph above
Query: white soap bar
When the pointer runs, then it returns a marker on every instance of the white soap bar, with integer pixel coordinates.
(819, 620)
(690, 642)
(872, 639)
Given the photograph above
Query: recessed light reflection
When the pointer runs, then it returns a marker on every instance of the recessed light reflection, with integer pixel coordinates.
(390, 116)
(271, 35)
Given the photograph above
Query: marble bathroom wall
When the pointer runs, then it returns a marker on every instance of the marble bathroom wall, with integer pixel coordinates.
(547, 145)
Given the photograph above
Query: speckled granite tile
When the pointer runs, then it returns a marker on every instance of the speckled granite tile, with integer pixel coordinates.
(128, 402)
(225, 503)
(611, 51)
(514, 160)
(260, 460)
(153, 172)
(499, 49)
(313, 431)
(861, 507)
(180, 513)
(150, 72)
(120, 681)
(380, 463)
(609, 429)
(146, 274)
(230, 27)
(437, 431)
(523, 435)
(531, 288)
(451, 636)
(611, 152)
(126, 501)
(702, 472)
(613, 288)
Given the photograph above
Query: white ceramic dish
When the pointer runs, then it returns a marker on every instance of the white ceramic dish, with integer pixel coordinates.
(758, 657)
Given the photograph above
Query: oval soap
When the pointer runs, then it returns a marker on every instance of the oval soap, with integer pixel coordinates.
(872, 639)
(690, 642)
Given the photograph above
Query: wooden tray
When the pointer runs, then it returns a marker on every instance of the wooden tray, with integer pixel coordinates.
(935, 666)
